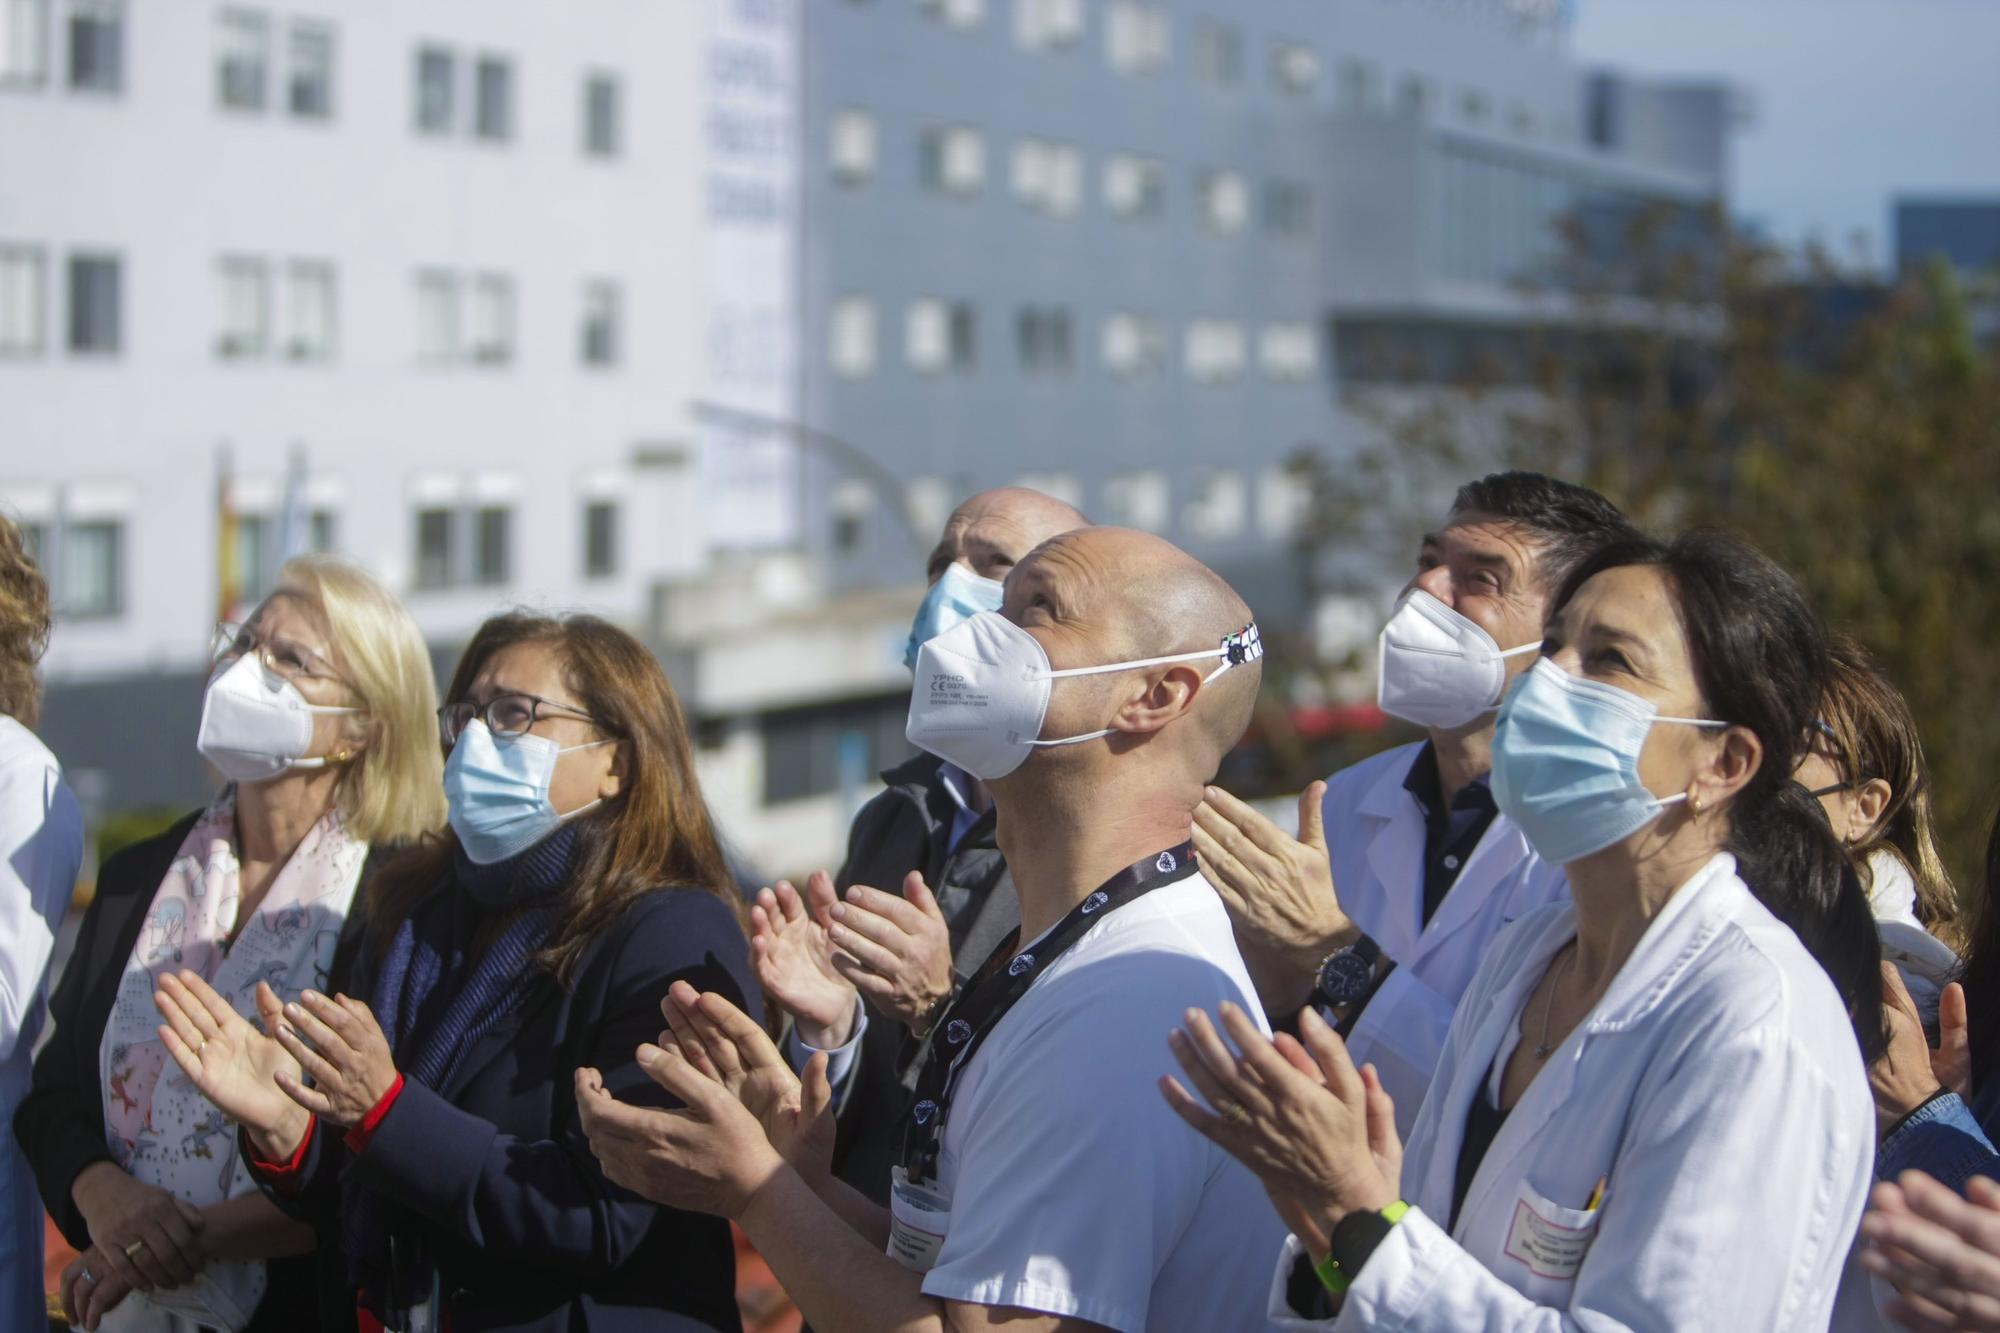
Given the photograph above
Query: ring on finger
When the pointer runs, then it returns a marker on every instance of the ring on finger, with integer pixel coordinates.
(1234, 1113)
(132, 1250)
(88, 1276)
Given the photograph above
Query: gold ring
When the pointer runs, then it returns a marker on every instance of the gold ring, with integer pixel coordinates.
(132, 1250)
(1234, 1113)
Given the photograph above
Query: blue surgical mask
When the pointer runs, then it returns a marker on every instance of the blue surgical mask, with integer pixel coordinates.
(496, 790)
(957, 596)
(1566, 762)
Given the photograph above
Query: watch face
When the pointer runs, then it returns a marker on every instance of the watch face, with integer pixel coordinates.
(1345, 977)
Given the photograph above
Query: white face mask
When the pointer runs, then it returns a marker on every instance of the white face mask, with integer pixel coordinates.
(1436, 668)
(255, 725)
(982, 691)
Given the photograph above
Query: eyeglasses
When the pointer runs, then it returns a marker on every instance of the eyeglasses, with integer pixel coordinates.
(287, 658)
(1817, 792)
(510, 713)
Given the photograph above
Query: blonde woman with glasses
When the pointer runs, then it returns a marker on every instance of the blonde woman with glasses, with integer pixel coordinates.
(318, 716)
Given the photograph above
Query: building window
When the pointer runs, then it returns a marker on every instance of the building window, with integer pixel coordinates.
(21, 300)
(493, 104)
(492, 342)
(310, 89)
(939, 335)
(1043, 337)
(435, 557)
(1413, 96)
(952, 159)
(310, 310)
(492, 543)
(1048, 25)
(1295, 68)
(955, 13)
(1133, 345)
(816, 751)
(1474, 106)
(1138, 500)
(1214, 350)
(1522, 120)
(1048, 177)
(600, 539)
(94, 304)
(1218, 52)
(852, 337)
(1288, 208)
(325, 527)
(437, 316)
(243, 42)
(435, 77)
(1360, 85)
(1288, 352)
(601, 115)
(1224, 201)
(1134, 187)
(1283, 500)
(24, 41)
(1058, 485)
(246, 304)
(1218, 505)
(1138, 37)
(97, 45)
(851, 146)
(602, 317)
(92, 569)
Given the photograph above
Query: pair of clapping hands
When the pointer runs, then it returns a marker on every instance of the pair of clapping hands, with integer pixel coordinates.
(814, 952)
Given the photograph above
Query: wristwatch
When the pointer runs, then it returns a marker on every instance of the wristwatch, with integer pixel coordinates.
(1354, 1238)
(1346, 974)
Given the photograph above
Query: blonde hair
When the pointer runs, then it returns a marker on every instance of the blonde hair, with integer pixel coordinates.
(24, 625)
(394, 790)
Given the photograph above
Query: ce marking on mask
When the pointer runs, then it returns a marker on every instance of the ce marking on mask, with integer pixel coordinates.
(956, 691)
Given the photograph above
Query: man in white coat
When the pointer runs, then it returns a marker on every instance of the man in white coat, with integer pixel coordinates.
(1403, 871)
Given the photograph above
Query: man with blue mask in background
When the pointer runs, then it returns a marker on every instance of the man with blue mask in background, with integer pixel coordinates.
(1404, 869)
(863, 959)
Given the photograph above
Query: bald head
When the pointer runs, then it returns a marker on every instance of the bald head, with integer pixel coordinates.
(1114, 594)
(994, 530)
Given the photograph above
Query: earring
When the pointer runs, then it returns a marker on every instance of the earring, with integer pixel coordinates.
(340, 756)
(1694, 803)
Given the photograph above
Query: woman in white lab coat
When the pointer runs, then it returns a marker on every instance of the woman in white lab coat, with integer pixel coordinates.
(1652, 1110)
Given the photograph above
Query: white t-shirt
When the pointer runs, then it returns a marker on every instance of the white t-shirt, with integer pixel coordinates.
(1075, 1189)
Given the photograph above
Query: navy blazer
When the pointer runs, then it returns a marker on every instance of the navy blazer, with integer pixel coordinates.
(523, 1227)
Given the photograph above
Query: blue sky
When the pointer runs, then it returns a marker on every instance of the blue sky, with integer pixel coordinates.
(1854, 100)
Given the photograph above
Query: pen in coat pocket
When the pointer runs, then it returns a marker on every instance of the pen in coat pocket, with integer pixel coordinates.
(1596, 1195)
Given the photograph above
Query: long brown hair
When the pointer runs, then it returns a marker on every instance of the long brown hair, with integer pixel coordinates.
(1877, 738)
(656, 834)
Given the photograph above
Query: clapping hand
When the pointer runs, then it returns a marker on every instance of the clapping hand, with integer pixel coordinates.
(1941, 1252)
(726, 1046)
(230, 1062)
(896, 951)
(794, 960)
(338, 1043)
(1319, 1134)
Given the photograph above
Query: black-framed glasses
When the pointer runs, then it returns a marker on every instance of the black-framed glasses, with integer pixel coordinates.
(284, 657)
(509, 713)
(1817, 792)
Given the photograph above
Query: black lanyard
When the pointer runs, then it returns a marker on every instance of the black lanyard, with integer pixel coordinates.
(993, 990)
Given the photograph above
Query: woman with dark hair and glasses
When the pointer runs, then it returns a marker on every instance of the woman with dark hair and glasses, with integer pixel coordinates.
(427, 1121)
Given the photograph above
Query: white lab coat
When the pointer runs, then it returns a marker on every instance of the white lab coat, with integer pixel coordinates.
(1718, 1091)
(1375, 839)
(41, 846)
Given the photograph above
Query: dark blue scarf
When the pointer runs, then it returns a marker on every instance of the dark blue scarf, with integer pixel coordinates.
(435, 1000)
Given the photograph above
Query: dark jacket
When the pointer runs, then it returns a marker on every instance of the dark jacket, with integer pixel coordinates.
(523, 1228)
(61, 1122)
(908, 828)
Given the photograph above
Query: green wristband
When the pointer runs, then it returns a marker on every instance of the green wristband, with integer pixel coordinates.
(1336, 1279)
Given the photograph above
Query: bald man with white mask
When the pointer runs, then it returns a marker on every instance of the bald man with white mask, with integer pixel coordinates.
(1036, 1187)
(862, 959)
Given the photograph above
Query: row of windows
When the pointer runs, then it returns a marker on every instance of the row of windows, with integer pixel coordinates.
(288, 308)
(1047, 175)
(1138, 39)
(452, 92)
(455, 547)
(941, 336)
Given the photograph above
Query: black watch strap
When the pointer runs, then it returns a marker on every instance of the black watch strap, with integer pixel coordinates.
(1355, 1237)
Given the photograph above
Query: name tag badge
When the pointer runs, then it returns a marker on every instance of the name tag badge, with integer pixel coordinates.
(1550, 1239)
(919, 1217)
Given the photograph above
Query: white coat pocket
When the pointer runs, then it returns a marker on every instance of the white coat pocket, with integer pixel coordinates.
(1548, 1242)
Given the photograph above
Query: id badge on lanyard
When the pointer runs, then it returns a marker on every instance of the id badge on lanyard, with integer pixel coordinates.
(919, 1218)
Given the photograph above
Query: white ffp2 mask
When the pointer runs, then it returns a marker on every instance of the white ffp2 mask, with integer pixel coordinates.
(255, 724)
(982, 691)
(1436, 668)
